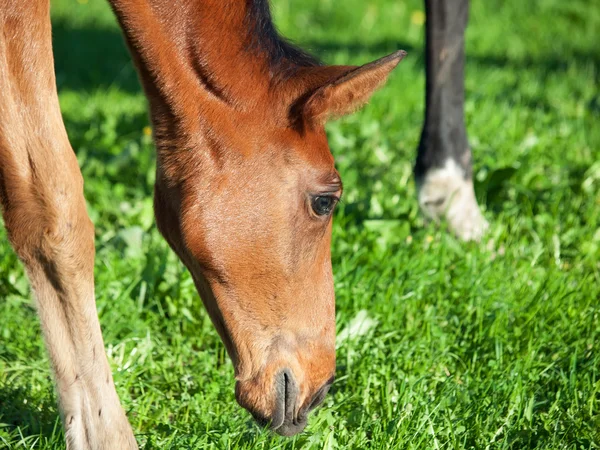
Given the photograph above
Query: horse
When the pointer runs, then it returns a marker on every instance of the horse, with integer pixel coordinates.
(245, 190)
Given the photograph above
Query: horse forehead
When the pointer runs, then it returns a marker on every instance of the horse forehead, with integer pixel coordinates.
(311, 149)
(263, 147)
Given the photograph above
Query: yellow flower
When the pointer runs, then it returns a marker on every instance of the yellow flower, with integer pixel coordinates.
(417, 18)
(147, 131)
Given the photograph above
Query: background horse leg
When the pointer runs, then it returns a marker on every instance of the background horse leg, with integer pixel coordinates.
(41, 193)
(443, 167)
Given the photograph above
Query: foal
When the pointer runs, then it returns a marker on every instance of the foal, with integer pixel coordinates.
(245, 190)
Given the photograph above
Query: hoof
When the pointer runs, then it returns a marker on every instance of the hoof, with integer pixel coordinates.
(445, 193)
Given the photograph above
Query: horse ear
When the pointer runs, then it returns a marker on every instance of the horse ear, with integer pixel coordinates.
(349, 91)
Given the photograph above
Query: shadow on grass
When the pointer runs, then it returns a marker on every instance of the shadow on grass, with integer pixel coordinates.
(91, 58)
(534, 194)
(95, 58)
(31, 417)
(554, 62)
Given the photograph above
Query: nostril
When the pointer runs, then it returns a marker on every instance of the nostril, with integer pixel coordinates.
(285, 399)
(320, 395)
(290, 395)
(284, 420)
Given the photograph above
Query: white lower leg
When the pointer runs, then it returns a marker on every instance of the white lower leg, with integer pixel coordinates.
(446, 193)
(92, 414)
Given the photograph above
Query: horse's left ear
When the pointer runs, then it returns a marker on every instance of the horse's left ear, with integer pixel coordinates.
(350, 91)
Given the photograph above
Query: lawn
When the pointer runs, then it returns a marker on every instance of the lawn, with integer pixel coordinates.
(490, 345)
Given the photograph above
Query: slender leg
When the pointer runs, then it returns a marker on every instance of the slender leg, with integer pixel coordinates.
(443, 167)
(41, 194)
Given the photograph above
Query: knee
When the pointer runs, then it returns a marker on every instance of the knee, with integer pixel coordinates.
(50, 230)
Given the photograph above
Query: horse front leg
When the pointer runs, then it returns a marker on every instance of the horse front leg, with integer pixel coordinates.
(41, 194)
(443, 168)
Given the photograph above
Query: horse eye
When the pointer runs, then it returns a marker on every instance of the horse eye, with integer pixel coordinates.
(323, 205)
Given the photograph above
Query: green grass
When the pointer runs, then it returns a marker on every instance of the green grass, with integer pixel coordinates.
(470, 346)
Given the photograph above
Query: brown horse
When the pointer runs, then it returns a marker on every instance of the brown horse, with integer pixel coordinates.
(245, 190)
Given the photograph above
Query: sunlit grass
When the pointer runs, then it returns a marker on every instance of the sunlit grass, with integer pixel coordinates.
(464, 346)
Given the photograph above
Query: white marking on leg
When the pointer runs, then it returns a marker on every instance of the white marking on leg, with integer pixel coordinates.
(446, 193)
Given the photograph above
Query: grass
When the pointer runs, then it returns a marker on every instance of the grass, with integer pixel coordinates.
(444, 345)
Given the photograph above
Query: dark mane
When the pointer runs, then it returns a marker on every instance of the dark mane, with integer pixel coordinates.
(282, 55)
